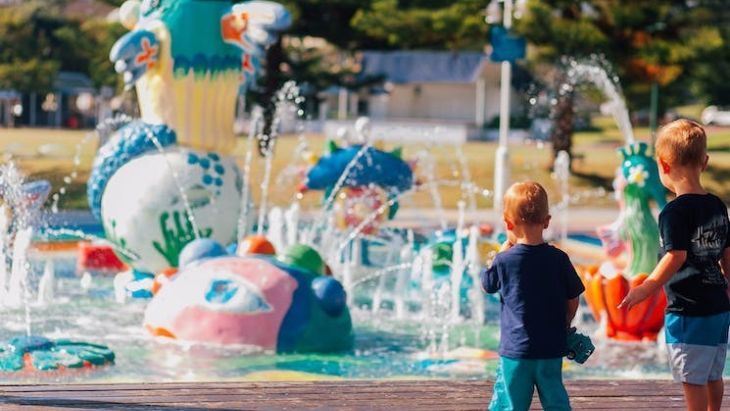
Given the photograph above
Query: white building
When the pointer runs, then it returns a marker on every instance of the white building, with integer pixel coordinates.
(427, 86)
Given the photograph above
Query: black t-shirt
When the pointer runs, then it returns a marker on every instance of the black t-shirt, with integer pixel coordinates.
(698, 224)
(534, 282)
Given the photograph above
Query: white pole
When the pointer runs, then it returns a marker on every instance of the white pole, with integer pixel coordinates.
(481, 88)
(501, 163)
(342, 104)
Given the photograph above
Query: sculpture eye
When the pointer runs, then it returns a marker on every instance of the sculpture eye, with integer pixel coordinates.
(230, 295)
(221, 291)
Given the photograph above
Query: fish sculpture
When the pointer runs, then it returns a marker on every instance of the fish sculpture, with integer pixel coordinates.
(360, 167)
(284, 303)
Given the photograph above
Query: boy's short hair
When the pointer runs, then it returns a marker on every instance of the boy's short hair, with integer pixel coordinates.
(682, 142)
(526, 203)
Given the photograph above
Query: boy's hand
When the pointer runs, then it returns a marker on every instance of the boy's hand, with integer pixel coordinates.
(665, 269)
(635, 296)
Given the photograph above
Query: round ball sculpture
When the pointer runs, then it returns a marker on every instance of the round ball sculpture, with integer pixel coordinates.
(254, 300)
(198, 250)
(146, 204)
(255, 245)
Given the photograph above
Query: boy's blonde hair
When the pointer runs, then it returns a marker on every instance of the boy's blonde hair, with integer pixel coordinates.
(526, 203)
(682, 143)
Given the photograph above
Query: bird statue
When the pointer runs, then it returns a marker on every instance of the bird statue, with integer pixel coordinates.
(188, 58)
(166, 179)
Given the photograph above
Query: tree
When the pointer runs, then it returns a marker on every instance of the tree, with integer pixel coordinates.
(102, 35)
(26, 49)
(712, 76)
(36, 41)
(431, 24)
(648, 43)
(316, 53)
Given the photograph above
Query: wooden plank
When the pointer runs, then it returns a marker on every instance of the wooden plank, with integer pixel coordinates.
(341, 385)
(355, 395)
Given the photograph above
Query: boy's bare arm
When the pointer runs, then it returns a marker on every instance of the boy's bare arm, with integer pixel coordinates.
(725, 266)
(664, 270)
(725, 263)
(572, 309)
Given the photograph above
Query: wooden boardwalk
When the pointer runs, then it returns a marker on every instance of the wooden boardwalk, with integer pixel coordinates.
(326, 395)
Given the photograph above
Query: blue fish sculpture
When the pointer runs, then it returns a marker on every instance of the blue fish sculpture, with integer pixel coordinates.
(373, 167)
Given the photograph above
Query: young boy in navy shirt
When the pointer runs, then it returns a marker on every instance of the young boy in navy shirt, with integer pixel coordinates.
(694, 230)
(539, 290)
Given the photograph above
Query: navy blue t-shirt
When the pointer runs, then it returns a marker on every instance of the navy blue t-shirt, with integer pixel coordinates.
(534, 283)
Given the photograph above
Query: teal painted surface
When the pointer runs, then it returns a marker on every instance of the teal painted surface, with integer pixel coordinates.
(197, 44)
(639, 226)
(195, 33)
(48, 355)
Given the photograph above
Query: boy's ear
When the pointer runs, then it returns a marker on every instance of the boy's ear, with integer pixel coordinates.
(664, 166)
(547, 221)
(707, 160)
(509, 224)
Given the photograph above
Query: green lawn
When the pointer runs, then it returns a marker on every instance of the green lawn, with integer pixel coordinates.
(49, 154)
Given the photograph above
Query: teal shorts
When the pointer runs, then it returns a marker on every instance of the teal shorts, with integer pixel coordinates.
(517, 379)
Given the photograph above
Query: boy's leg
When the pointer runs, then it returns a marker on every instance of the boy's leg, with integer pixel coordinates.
(715, 390)
(514, 385)
(549, 381)
(695, 396)
(697, 349)
(715, 385)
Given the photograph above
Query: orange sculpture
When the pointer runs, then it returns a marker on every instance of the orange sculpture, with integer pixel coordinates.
(642, 323)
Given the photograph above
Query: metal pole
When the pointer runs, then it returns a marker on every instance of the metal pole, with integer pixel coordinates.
(501, 163)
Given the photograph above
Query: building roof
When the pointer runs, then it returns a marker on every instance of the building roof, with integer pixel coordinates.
(423, 66)
(9, 94)
(72, 82)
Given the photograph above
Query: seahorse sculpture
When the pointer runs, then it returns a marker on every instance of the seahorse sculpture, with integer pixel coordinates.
(638, 184)
(164, 180)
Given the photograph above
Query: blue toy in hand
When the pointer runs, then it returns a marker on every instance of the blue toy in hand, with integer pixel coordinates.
(580, 346)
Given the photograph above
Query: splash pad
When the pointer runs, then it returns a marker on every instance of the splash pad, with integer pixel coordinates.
(378, 300)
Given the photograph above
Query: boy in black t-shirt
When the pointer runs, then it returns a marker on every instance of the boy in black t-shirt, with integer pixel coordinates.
(694, 230)
(539, 290)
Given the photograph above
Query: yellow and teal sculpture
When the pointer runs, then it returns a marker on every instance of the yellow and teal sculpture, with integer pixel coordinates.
(164, 180)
